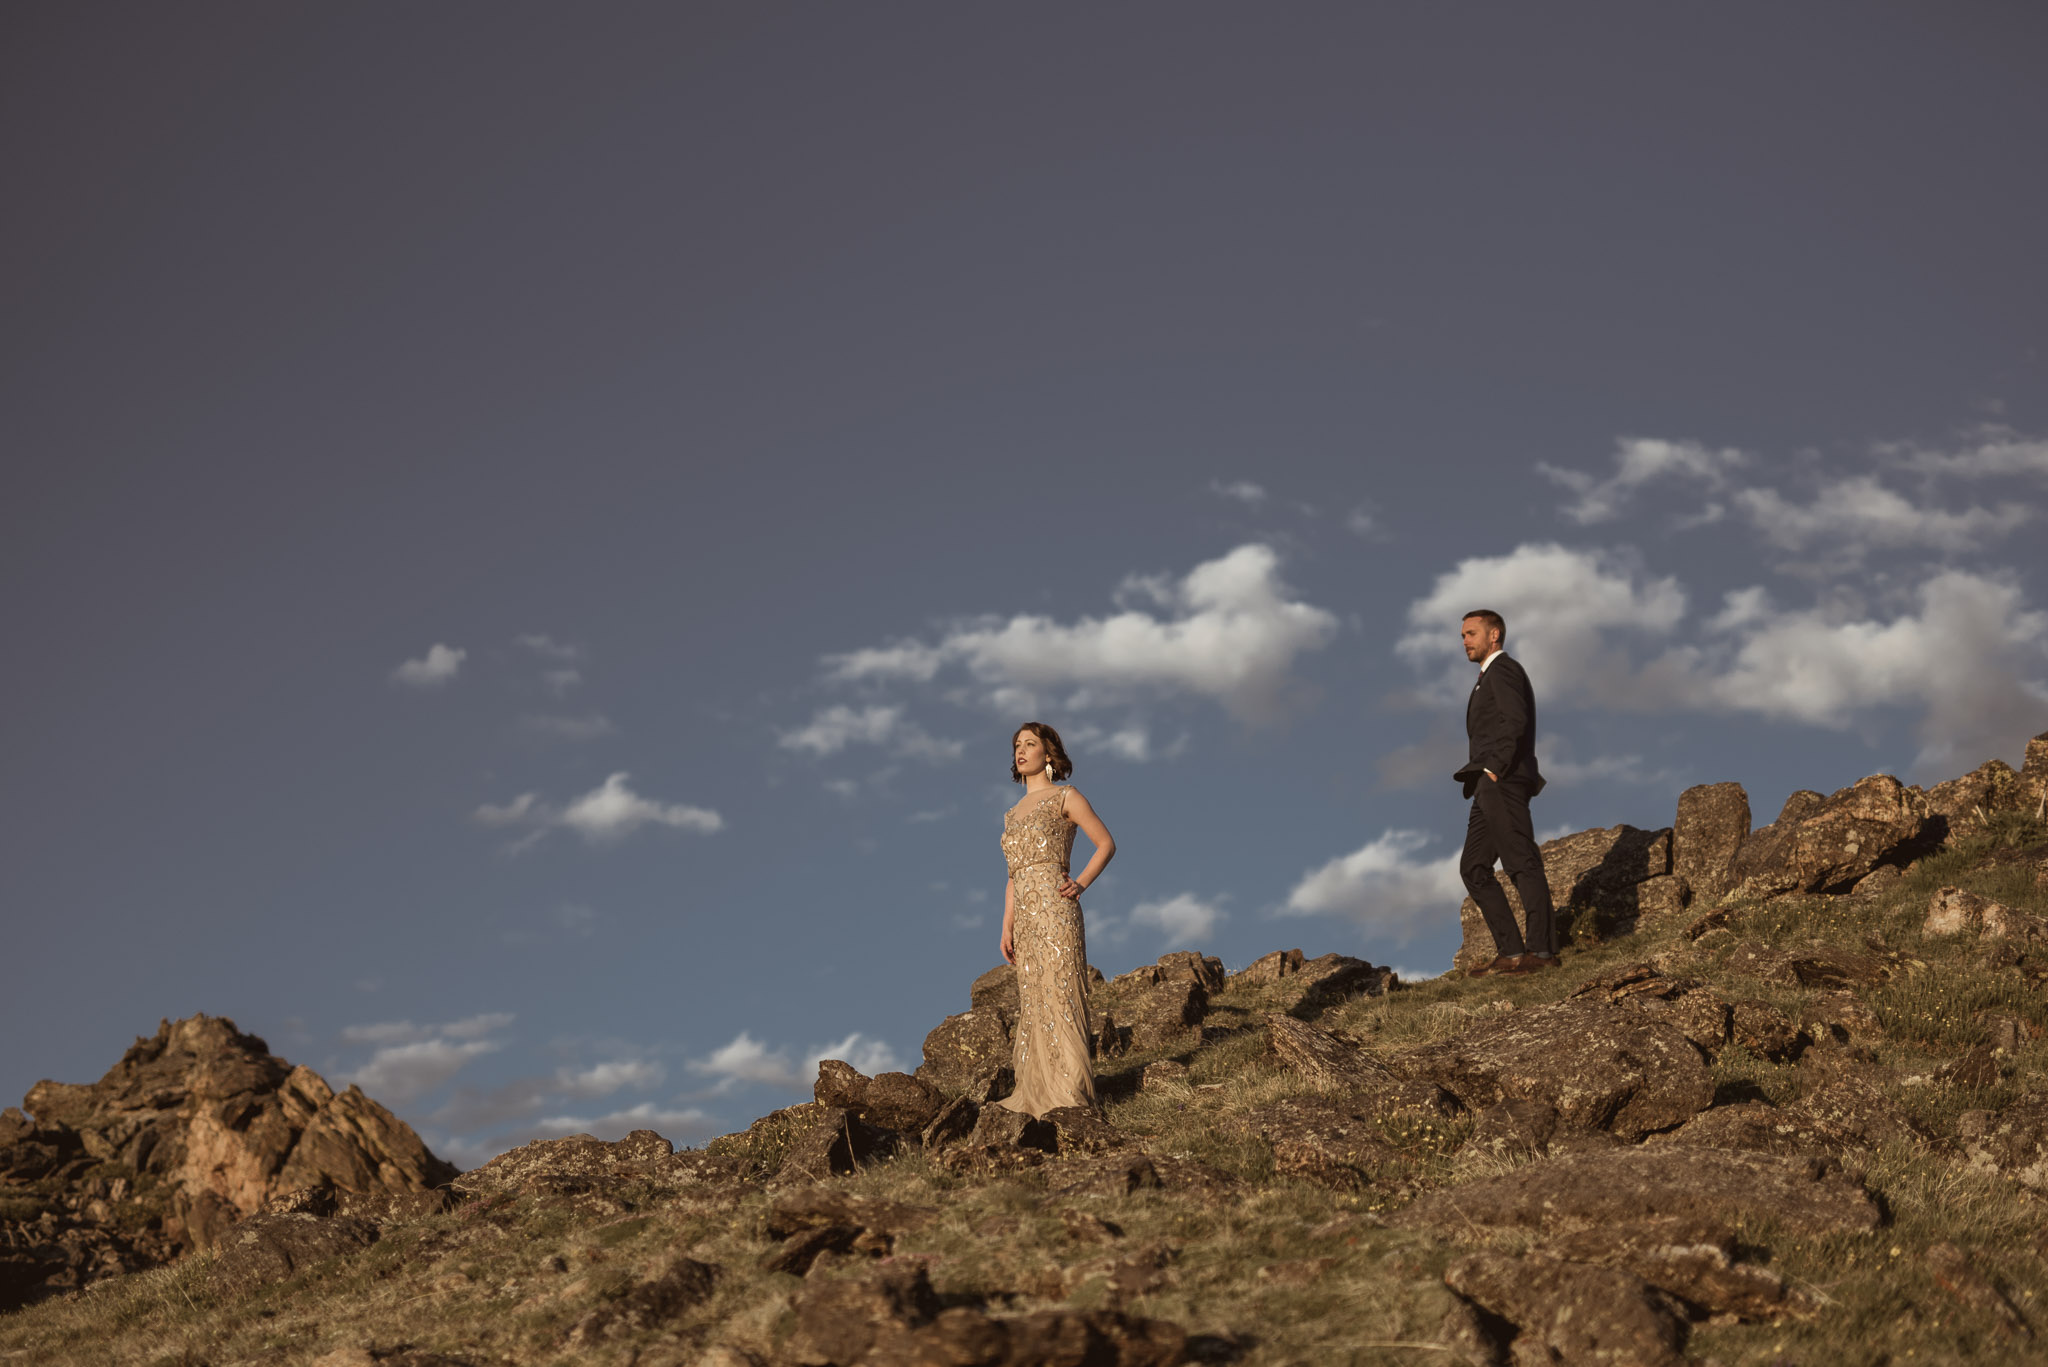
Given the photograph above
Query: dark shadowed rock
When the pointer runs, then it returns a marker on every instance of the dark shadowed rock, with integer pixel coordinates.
(1829, 845)
(969, 1054)
(2011, 1140)
(955, 1120)
(836, 1142)
(654, 1302)
(1571, 1312)
(1079, 1129)
(1712, 823)
(1616, 1185)
(1599, 1065)
(1003, 1127)
(1763, 1030)
(1335, 978)
(1594, 878)
(268, 1248)
(898, 1101)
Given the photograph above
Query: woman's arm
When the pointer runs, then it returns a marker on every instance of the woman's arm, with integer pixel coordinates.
(1008, 944)
(1083, 815)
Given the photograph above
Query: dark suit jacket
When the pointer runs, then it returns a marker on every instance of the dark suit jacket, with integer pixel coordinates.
(1500, 728)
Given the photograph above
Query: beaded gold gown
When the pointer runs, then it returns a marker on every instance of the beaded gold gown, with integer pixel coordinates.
(1051, 1058)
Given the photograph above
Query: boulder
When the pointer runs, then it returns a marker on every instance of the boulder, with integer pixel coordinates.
(1829, 844)
(1691, 1259)
(1616, 1185)
(1571, 1312)
(1593, 875)
(1317, 1054)
(996, 990)
(1599, 1065)
(1763, 1030)
(2034, 776)
(1711, 824)
(969, 1054)
(2012, 1139)
(1079, 1129)
(1954, 911)
(1001, 1127)
(1271, 968)
(1960, 808)
(1167, 1015)
(893, 1101)
(1332, 1141)
(836, 1142)
(269, 1248)
(1335, 978)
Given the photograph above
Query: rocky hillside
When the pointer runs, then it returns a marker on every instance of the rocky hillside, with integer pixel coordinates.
(1787, 1102)
(195, 1127)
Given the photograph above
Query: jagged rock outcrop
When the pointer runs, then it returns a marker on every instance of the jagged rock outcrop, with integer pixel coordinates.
(1597, 1065)
(1708, 831)
(1960, 807)
(1601, 883)
(195, 1127)
(1827, 844)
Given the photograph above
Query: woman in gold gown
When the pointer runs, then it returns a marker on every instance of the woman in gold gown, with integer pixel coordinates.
(1042, 930)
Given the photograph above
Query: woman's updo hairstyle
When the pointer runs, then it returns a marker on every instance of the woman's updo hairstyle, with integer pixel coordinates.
(1059, 766)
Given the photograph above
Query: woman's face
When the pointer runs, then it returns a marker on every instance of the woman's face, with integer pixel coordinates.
(1030, 753)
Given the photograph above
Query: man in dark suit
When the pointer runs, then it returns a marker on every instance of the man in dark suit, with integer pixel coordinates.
(1500, 777)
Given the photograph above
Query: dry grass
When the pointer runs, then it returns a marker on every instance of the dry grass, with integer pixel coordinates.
(1282, 1272)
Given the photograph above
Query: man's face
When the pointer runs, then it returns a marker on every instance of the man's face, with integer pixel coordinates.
(1479, 638)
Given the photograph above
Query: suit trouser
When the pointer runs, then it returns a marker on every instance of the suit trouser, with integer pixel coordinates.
(1500, 829)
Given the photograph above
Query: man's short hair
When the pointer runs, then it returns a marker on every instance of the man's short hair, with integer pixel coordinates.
(1491, 618)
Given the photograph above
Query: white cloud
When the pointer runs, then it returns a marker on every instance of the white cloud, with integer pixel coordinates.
(398, 1073)
(541, 644)
(832, 729)
(1964, 655)
(1382, 885)
(1639, 461)
(1242, 490)
(1995, 451)
(1560, 605)
(526, 807)
(560, 681)
(1131, 743)
(748, 1060)
(1861, 515)
(1362, 521)
(609, 812)
(1234, 633)
(399, 1032)
(612, 811)
(431, 670)
(1184, 919)
(602, 1079)
(587, 727)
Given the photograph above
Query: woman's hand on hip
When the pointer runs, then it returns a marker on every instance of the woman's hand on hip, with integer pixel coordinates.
(1071, 890)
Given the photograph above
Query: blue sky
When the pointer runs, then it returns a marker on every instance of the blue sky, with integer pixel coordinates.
(526, 533)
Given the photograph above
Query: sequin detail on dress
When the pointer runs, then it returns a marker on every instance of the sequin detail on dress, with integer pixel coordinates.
(1051, 1060)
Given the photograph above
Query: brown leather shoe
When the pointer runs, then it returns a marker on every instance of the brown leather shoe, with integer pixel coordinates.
(1504, 964)
(1536, 963)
